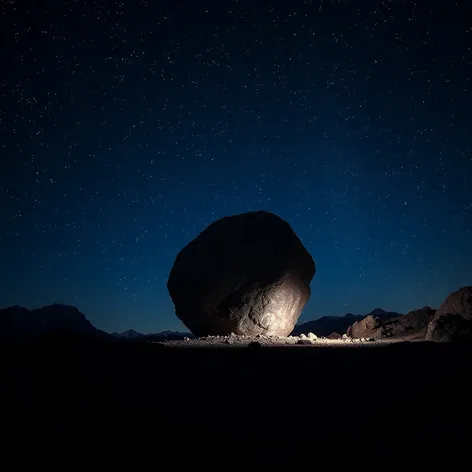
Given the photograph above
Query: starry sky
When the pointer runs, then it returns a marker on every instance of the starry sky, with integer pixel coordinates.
(126, 127)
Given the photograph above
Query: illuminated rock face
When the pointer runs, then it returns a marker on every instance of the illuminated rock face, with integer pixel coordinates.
(247, 274)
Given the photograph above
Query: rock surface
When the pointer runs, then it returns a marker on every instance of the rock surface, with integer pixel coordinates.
(414, 323)
(448, 328)
(453, 319)
(368, 327)
(247, 274)
(457, 303)
(381, 325)
(326, 325)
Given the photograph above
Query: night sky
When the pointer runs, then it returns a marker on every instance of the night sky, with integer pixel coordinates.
(127, 127)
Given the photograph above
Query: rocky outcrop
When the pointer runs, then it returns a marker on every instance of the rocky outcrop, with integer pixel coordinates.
(368, 327)
(381, 324)
(326, 325)
(453, 320)
(247, 274)
(449, 327)
(457, 303)
(412, 325)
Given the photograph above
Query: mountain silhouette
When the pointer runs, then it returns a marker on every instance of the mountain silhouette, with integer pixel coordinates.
(20, 324)
(132, 335)
(63, 321)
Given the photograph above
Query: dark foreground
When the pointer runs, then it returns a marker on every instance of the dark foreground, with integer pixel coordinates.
(300, 402)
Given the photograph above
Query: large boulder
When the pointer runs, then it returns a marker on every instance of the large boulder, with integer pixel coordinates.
(246, 274)
(453, 320)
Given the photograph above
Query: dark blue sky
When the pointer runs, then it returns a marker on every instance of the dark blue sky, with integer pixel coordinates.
(126, 128)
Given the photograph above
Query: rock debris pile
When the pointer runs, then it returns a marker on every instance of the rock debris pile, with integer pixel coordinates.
(244, 341)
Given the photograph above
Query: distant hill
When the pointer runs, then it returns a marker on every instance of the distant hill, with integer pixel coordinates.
(132, 335)
(20, 324)
(67, 322)
(326, 325)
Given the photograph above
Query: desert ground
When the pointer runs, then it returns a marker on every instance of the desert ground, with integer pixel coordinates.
(276, 341)
(214, 400)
